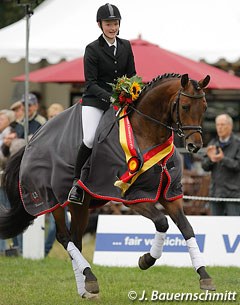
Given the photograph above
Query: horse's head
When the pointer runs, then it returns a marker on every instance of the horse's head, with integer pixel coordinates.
(188, 110)
(170, 102)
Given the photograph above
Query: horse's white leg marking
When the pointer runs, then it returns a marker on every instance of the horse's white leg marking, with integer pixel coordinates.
(157, 245)
(80, 278)
(76, 255)
(196, 256)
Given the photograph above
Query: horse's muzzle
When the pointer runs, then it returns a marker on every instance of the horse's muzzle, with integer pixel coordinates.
(192, 148)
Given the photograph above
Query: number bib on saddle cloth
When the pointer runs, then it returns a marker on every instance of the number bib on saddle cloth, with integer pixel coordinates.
(107, 176)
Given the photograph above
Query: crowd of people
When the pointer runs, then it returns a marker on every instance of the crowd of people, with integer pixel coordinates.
(12, 139)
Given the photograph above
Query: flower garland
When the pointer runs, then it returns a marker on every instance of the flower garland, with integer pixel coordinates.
(126, 90)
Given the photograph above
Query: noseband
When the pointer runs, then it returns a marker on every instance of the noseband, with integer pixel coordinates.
(180, 128)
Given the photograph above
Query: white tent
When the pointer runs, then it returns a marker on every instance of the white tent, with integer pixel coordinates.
(60, 29)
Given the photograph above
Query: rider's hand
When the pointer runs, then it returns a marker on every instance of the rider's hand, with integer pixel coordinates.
(112, 99)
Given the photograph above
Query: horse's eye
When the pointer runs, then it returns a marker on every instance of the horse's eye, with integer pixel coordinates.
(186, 107)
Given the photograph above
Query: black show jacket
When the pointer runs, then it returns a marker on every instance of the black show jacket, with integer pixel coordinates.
(101, 67)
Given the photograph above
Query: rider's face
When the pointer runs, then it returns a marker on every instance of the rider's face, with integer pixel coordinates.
(110, 29)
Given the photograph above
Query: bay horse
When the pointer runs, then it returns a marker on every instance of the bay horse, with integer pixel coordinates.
(169, 103)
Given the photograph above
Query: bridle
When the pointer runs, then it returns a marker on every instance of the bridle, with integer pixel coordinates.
(180, 127)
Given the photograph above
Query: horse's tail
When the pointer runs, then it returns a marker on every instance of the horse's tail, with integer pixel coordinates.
(13, 220)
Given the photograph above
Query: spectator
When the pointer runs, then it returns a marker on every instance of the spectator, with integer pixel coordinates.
(35, 120)
(54, 109)
(18, 108)
(223, 160)
(11, 144)
(41, 107)
(7, 117)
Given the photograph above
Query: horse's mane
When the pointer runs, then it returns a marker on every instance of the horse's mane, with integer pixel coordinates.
(155, 81)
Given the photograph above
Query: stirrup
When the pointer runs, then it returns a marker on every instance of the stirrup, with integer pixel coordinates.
(76, 198)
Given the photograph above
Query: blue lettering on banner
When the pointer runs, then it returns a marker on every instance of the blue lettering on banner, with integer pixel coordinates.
(229, 248)
(142, 242)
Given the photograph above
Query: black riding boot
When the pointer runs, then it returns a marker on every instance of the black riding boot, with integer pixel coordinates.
(76, 195)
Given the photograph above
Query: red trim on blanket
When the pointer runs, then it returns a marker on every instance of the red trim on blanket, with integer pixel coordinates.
(129, 202)
(169, 181)
(49, 210)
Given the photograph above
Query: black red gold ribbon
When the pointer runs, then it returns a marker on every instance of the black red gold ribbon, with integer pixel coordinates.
(150, 158)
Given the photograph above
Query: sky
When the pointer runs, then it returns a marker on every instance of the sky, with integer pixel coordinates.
(196, 29)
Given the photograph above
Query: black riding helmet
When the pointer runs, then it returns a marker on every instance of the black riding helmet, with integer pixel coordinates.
(108, 12)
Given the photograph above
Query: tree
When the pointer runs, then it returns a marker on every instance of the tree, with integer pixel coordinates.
(13, 10)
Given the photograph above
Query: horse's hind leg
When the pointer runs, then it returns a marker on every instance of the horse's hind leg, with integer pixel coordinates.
(175, 211)
(62, 232)
(161, 224)
(79, 221)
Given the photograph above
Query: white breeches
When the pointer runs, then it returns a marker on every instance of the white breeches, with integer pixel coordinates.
(91, 117)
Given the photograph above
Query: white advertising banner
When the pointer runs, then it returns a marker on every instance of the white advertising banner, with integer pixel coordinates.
(121, 240)
(34, 239)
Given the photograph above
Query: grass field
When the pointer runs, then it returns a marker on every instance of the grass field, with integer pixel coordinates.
(51, 282)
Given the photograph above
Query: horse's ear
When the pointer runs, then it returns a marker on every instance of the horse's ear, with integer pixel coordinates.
(204, 82)
(184, 80)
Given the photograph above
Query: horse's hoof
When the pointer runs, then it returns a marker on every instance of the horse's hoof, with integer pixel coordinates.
(92, 287)
(207, 284)
(88, 295)
(146, 261)
(142, 264)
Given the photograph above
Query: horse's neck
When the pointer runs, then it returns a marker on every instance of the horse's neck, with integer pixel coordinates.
(157, 105)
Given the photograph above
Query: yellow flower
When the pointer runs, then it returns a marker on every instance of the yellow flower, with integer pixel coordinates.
(135, 90)
(126, 90)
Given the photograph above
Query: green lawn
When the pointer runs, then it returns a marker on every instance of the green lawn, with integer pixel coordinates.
(51, 282)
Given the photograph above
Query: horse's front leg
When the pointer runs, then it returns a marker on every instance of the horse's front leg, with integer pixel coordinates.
(175, 211)
(87, 284)
(160, 221)
(64, 238)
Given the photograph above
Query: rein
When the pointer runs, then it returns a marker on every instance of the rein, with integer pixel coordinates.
(180, 128)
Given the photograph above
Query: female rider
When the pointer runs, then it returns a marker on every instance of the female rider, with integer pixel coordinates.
(105, 59)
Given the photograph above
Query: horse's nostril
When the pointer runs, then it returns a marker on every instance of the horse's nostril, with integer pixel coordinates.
(192, 148)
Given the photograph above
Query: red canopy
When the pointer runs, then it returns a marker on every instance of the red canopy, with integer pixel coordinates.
(64, 72)
(151, 61)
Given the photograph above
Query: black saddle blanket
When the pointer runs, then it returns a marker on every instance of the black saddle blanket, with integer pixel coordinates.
(47, 168)
(108, 164)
